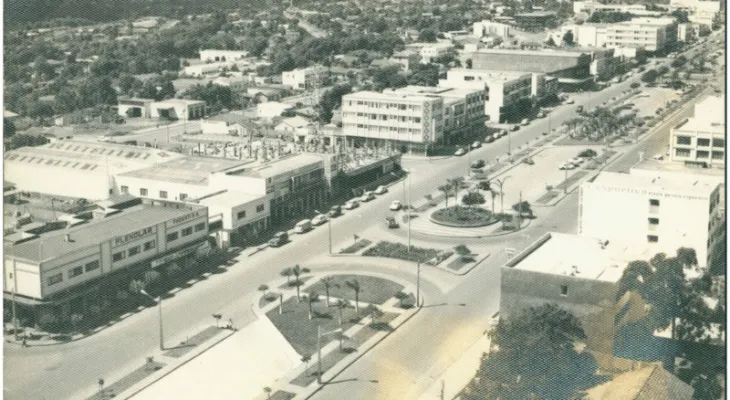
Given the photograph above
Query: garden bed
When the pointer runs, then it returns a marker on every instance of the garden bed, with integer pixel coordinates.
(400, 251)
(462, 261)
(359, 245)
(547, 197)
(374, 290)
(463, 217)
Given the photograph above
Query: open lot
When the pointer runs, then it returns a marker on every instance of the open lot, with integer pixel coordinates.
(652, 98)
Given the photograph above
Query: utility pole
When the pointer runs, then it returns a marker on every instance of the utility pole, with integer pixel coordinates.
(319, 354)
(409, 212)
(418, 284)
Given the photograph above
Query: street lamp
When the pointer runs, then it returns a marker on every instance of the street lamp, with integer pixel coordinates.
(329, 229)
(418, 284)
(159, 304)
(319, 349)
(500, 184)
(408, 206)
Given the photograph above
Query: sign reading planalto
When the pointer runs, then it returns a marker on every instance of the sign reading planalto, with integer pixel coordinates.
(119, 240)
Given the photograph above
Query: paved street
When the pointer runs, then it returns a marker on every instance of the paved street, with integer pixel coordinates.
(402, 364)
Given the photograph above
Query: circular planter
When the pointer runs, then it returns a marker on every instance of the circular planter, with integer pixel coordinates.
(468, 217)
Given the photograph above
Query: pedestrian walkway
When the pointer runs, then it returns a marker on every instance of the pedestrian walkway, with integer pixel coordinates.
(459, 374)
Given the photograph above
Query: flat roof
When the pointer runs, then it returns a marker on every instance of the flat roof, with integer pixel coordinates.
(549, 53)
(368, 95)
(537, 14)
(53, 244)
(494, 74)
(678, 169)
(183, 102)
(191, 170)
(656, 182)
(279, 166)
(700, 124)
(582, 257)
(230, 199)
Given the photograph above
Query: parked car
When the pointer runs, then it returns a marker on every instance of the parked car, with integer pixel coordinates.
(541, 114)
(319, 219)
(303, 226)
(490, 138)
(476, 145)
(567, 166)
(352, 204)
(478, 164)
(395, 205)
(658, 157)
(381, 190)
(570, 101)
(576, 160)
(279, 239)
(460, 152)
(391, 223)
(525, 122)
(528, 161)
(579, 109)
(516, 127)
(367, 196)
(335, 211)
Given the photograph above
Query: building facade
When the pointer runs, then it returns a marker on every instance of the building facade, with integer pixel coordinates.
(305, 78)
(135, 108)
(211, 55)
(178, 109)
(408, 122)
(487, 27)
(700, 140)
(536, 21)
(655, 35)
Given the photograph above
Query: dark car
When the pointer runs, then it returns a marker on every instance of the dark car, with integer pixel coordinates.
(279, 239)
(335, 211)
(579, 109)
(478, 164)
(390, 222)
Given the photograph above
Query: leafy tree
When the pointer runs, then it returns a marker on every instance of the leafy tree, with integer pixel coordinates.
(523, 208)
(424, 75)
(568, 38)
(649, 76)
(536, 358)
(388, 77)
(216, 97)
(706, 388)
(472, 199)
(66, 101)
(469, 63)
(682, 17)
(550, 42)
(635, 85)
(23, 140)
(263, 289)
(427, 35)
(40, 110)
(8, 128)
(332, 99)
(167, 90)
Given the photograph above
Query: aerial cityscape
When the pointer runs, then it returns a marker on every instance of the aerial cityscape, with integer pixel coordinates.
(364, 200)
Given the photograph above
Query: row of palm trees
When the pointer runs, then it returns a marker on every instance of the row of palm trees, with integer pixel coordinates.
(328, 282)
(600, 124)
(454, 185)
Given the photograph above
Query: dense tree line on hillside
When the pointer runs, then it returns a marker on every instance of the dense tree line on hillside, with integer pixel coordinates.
(610, 17)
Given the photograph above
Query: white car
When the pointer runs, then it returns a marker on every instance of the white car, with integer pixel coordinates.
(476, 145)
(352, 204)
(576, 161)
(395, 205)
(569, 101)
(567, 166)
(367, 196)
(525, 122)
(460, 152)
(319, 219)
(658, 157)
(381, 190)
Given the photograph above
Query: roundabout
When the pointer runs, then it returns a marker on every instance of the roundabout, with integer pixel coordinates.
(463, 217)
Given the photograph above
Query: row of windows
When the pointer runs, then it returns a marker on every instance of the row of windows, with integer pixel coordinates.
(259, 208)
(384, 117)
(383, 128)
(701, 142)
(144, 192)
(716, 155)
(133, 251)
(377, 104)
(172, 236)
(73, 272)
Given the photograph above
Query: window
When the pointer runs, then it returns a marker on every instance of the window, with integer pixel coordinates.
(134, 251)
(172, 236)
(183, 196)
(187, 231)
(92, 265)
(684, 140)
(563, 290)
(199, 227)
(76, 271)
(260, 208)
(241, 215)
(718, 155)
(124, 189)
(163, 194)
(149, 245)
(143, 192)
(654, 202)
(681, 152)
(703, 142)
(119, 256)
(652, 238)
(54, 279)
(703, 154)
(653, 221)
(718, 142)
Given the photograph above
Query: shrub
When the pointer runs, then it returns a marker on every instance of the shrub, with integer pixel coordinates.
(462, 250)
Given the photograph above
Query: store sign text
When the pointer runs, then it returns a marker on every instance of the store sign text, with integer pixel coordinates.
(120, 240)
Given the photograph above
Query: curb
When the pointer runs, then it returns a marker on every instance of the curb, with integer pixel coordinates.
(467, 269)
(529, 221)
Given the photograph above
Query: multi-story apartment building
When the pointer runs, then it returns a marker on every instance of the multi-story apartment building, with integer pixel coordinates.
(430, 51)
(651, 34)
(408, 122)
(700, 140)
(487, 27)
(305, 78)
(662, 211)
(463, 109)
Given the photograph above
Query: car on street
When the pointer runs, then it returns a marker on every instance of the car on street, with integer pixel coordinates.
(579, 109)
(476, 145)
(658, 157)
(541, 114)
(367, 196)
(395, 205)
(478, 164)
(516, 127)
(567, 166)
(569, 101)
(391, 223)
(381, 190)
(460, 152)
(303, 226)
(352, 204)
(335, 211)
(525, 122)
(279, 239)
(319, 219)
(490, 138)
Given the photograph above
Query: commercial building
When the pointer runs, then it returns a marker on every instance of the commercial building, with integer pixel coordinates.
(487, 27)
(306, 78)
(227, 124)
(579, 273)
(135, 108)
(222, 55)
(430, 51)
(407, 122)
(77, 169)
(591, 6)
(700, 140)
(572, 69)
(83, 269)
(178, 109)
(536, 21)
(657, 211)
(655, 35)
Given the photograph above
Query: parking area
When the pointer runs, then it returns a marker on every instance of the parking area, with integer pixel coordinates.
(652, 98)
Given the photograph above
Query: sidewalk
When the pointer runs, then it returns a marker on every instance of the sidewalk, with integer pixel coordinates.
(459, 374)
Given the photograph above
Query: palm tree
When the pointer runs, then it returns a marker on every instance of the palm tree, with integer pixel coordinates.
(355, 286)
(446, 189)
(263, 289)
(267, 390)
(306, 359)
(312, 298)
(297, 271)
(327, 281)
(287, 272)
(493, 194)
(341, 305)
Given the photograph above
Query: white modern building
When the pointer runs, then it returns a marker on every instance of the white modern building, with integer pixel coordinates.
(651, 34)
(430, 51)
(305, 78)
(660, 211)
(591, 6)
(135, 108)
(227, 124)
(486, 27)
(271, 109)
(178, 109)
(392, 119)
(700, 139)
(700, 11)
(212, 55)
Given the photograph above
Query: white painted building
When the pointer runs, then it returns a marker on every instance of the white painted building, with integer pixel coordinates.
(211, 55)
(135, 108)
(393, 119)
(305, 78)
(486, 27)
(271, 109)
(178, 109)
(701, 139)
(297, 126)
(590, 7)
(700, 11)
(227, 124)
(662, 212)
(651, 34)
